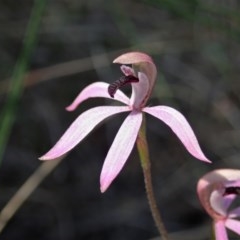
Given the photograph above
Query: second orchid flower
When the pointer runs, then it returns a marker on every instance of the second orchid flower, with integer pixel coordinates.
(217, 190)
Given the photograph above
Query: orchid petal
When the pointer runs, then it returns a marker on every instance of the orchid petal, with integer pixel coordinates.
(204, 191)
(220, 230)
(231, 175)
(217, 202)
(120, 149)
(80, 128)
(233, 225)
(97, 89)
(225, 176)
(178, 123)
(139, 91)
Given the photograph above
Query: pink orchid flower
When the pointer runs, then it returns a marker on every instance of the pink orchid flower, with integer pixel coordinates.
(216, 191)
(142, 77)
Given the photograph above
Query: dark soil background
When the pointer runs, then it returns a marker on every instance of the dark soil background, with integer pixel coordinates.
(196, 47)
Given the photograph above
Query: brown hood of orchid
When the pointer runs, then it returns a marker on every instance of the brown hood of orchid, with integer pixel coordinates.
(205, 200)
(141, 62)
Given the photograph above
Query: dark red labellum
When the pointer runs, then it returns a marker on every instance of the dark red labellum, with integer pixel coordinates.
(113, 87)
(232, 190)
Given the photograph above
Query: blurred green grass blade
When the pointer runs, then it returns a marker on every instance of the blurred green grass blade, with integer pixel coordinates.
(123, 21)
(184, 8)
(202, 12)
(16, 82)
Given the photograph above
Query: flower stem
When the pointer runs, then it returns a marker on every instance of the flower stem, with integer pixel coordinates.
(146, 166)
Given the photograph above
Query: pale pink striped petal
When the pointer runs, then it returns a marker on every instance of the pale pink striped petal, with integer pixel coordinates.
(97, 89)
(217, 202)
(220, 230)
(120, 149)
(140, 91)
(178, 123)
(233, 225)
(80, 128)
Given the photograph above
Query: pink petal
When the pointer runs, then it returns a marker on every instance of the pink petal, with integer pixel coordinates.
(217, 202)
(120, 149)
(80, 128)
(220, 230)
(97, 89)
(233, 225)
(140, 91)
(178, 123)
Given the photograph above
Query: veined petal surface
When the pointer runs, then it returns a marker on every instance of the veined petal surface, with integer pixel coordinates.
(97, 89)
(80, 128)
(139, 91)
(233, 224)
(220, 230)
(180, 126)
(120, 149)
(217, 202)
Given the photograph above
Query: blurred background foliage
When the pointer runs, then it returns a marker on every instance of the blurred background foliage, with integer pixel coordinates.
(47, 58)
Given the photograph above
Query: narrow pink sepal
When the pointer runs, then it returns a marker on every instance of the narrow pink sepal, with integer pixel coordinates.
(80, 128)
(220, 230)
(179, 125)
(120, 149)
(233, 225)
(97, 89)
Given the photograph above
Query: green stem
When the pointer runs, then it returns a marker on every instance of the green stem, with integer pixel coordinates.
(146, 166)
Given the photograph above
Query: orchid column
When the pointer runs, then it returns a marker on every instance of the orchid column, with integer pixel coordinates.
(141, 75)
